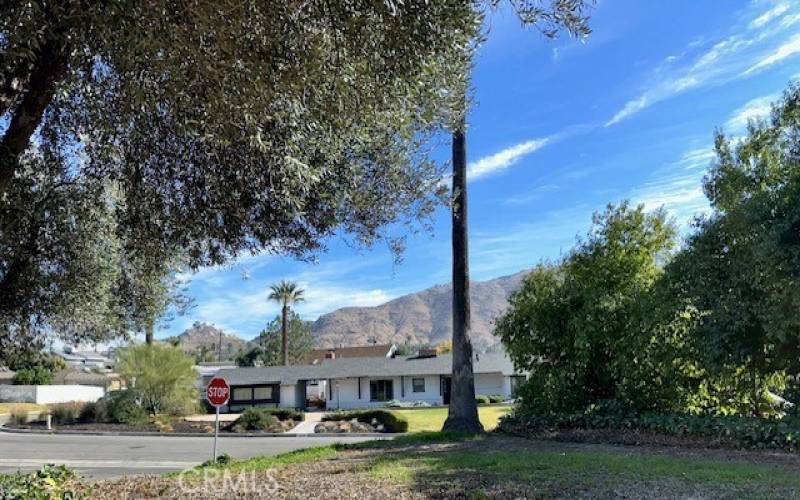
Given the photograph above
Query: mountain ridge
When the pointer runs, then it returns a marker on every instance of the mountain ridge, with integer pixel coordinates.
(423, 317)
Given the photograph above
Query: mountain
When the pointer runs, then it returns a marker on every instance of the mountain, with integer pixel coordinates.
(204, 337)
(418, 318)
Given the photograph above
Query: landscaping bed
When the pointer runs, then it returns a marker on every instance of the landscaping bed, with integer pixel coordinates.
(735, 432)
(180, 426)
(362, 421)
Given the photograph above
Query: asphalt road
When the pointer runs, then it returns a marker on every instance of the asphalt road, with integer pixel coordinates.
(115, 456)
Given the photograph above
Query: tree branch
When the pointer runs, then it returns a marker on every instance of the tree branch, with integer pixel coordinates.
(50, 66)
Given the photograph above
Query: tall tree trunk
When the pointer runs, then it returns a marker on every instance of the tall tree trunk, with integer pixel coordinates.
(462, 415)
(148, 333)
(285, 334)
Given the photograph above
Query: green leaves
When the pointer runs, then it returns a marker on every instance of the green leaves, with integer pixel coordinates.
(583, 327)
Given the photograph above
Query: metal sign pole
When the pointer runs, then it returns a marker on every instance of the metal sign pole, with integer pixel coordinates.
(216, 433)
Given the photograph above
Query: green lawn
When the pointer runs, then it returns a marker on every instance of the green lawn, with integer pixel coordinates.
(571, 473)
(432, 419)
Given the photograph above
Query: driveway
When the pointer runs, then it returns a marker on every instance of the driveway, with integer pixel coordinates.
(115, 456)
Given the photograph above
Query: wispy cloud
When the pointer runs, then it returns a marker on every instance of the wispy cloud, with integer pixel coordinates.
(505, 158)
(746, 51)
(788, 49)
(768, 16)
(752, 109)
(533, 195)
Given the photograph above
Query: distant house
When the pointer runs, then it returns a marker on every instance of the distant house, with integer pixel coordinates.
(316, 388)
(367, 351)
(207, 369)
(367, 381)
(85, 359)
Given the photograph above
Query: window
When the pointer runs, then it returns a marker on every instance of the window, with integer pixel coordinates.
(242, 393)
(381, 390)
(263, 393)
(255, 394)
(418, 384)
(516, 383)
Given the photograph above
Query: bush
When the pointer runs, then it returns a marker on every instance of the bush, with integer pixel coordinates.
(36, 375)
(286, 414)
(255, 419)
(50, 482)
(164, 378)
(93, 413)
(19, 415)
(66, 413)
(735, 431)
(481, 399)
(390, 421)
(123, 407)
(496, 398)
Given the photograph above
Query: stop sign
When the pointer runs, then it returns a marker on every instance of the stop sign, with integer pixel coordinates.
(218, 391)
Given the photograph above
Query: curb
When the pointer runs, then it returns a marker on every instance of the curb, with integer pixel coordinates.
(198, 434)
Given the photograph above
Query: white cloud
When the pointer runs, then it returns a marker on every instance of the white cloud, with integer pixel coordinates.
(504, 159)
(788, 49)
(533, 195)
(752, 109)
(735, 56)
(768, 16)
(697, 158)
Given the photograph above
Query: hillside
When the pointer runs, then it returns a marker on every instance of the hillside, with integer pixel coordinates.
(419, 318)
(202, 336)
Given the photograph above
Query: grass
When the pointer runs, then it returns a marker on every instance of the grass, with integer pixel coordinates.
(434, 463)
(9, 407)
(587, 466)
(264, 463)
(432, 419)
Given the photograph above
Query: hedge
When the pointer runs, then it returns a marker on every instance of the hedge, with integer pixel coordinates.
(391, 422)
(736, 431)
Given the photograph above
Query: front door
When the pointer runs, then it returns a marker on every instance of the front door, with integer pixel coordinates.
(446, 385)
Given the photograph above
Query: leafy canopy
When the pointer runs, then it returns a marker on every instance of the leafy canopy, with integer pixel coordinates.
(160, 376)
(266, 349)
(581, 327)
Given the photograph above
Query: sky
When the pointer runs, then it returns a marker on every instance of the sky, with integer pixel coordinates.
(559, 130)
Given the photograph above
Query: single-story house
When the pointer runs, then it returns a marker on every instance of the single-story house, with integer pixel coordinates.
(316, 388)
(85, 359)
(367, 382)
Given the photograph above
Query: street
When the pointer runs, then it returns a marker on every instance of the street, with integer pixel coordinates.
(115, 456)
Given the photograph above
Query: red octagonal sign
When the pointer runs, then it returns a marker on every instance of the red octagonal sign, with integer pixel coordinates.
(218, 391)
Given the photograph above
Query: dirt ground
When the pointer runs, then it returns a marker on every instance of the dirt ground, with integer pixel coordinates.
(351, 474)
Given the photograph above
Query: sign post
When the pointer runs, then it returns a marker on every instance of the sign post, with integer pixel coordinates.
(217, 393)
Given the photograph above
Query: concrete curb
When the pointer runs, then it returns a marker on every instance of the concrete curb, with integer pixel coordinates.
(200, 434)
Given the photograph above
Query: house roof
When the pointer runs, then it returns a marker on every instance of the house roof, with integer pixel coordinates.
(68, 377)
(364, 367)
(366, 351)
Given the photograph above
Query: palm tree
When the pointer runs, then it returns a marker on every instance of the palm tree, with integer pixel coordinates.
(286, 292)
(462, 415)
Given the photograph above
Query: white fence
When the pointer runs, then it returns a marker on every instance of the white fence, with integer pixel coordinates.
(47, 394)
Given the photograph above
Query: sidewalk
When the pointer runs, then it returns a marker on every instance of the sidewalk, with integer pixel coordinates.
(307, 426)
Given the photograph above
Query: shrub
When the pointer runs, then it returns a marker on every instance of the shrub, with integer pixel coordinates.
(481, 399)
(66, 413)
(735, 431)
(161, 377)
(123, 407)
(19, 415)
(50, 482)
(36, 375)
(391, 422)
(286, 414)
(496, 398)
(93, 413)
(255, 419)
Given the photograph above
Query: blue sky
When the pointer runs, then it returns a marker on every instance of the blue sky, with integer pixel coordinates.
(559, 130)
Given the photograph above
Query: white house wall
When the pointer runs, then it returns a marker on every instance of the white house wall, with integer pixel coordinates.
(289, 397)
(344, 393)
